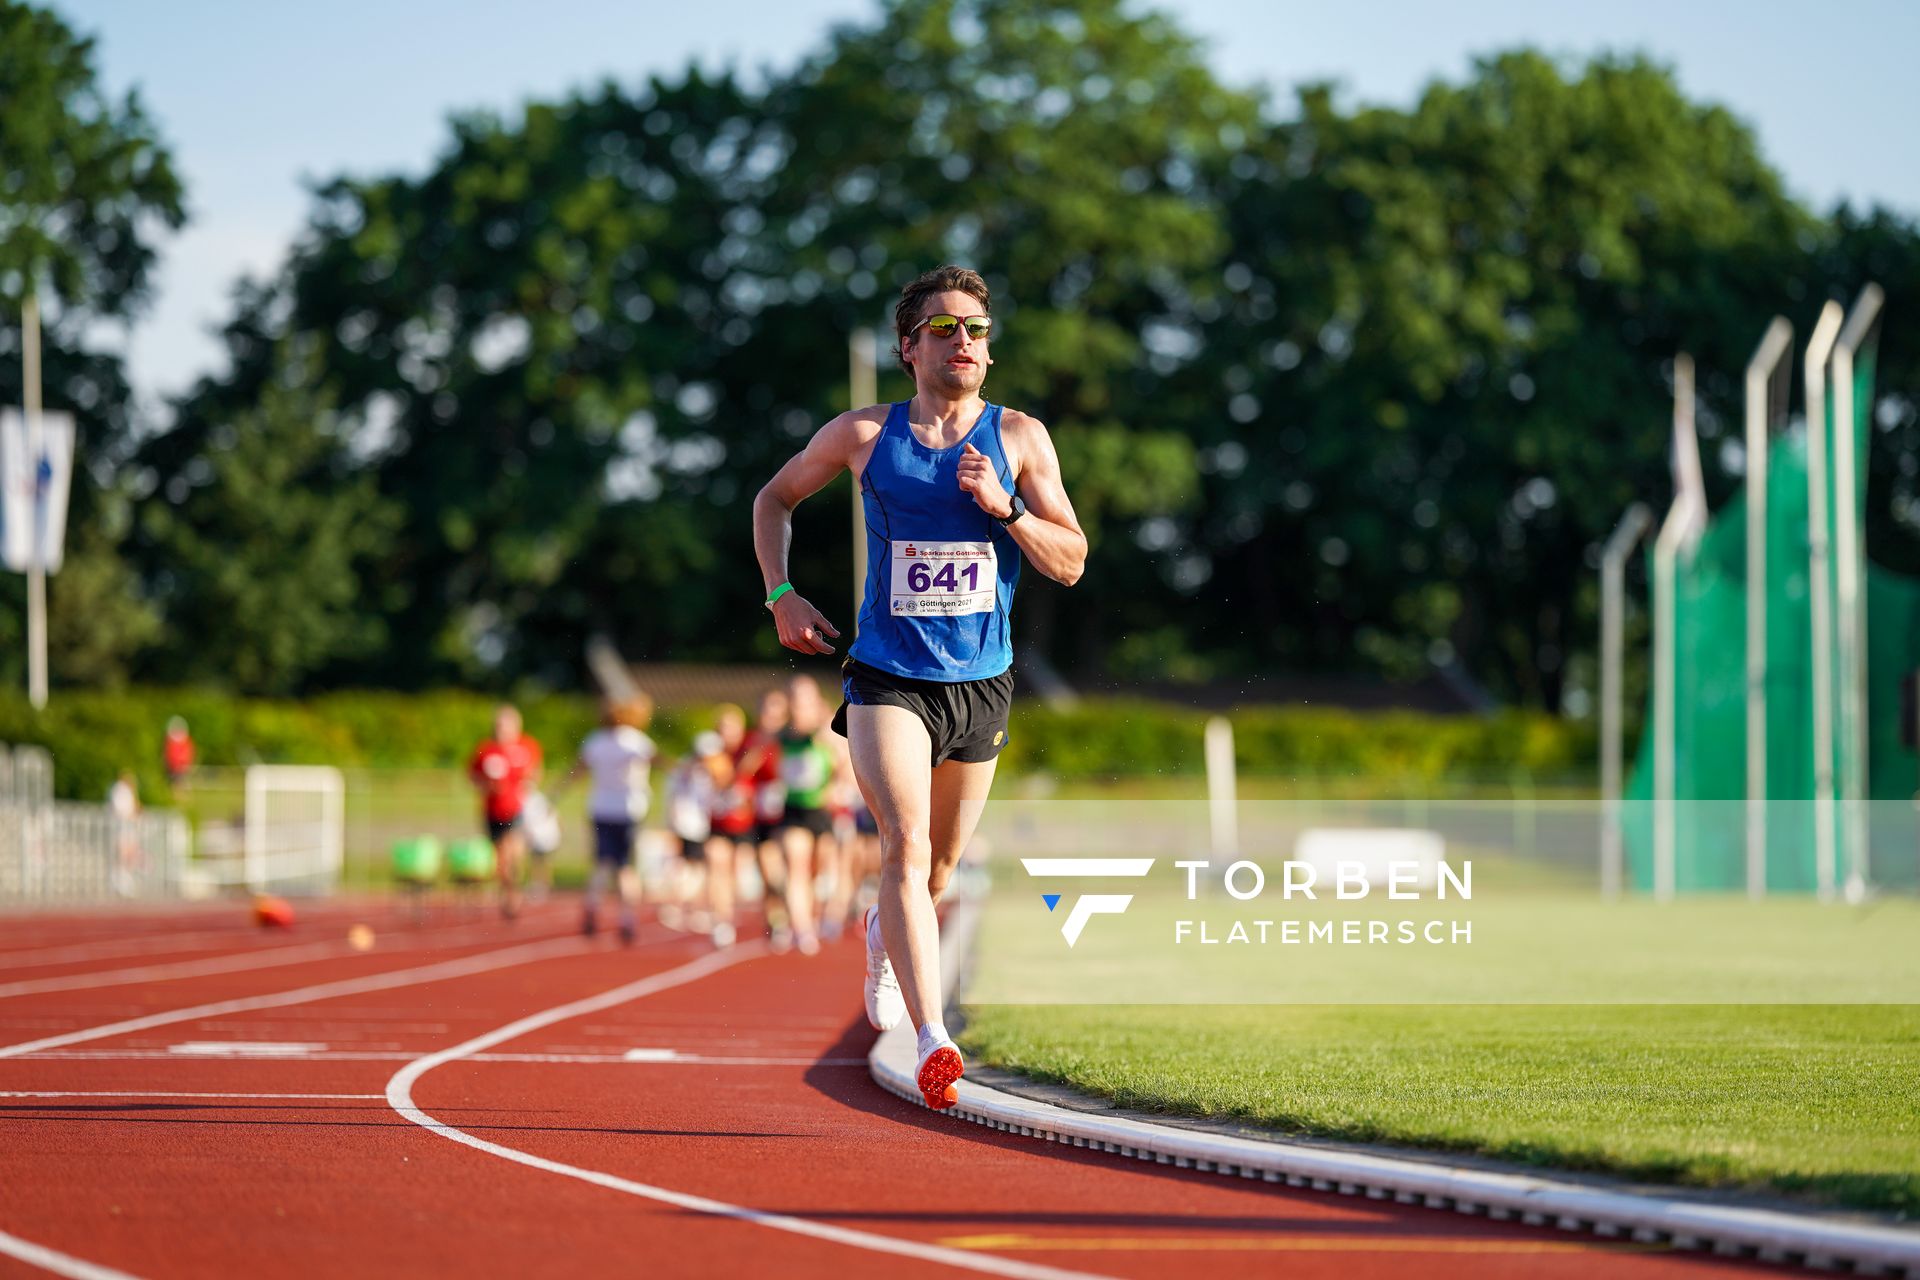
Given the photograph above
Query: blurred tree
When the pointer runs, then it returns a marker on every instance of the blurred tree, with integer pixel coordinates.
(268, 546)
(1447, 354)
(525, 343)
(1358, 389)
(86, 188)
(99, 621)
(1883, 247)
(82, 179)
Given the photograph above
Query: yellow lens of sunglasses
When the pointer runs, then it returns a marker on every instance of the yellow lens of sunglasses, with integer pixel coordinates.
(943, 326)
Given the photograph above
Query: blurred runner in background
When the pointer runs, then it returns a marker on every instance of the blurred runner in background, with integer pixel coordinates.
(503, 768)
(177, 754)
(731, 844)
(123, 802)
(836, 854)
(807, 768)
(760, 764)
(693, 792)
(617, 757)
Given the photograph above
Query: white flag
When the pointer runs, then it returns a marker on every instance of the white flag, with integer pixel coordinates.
(33, 491)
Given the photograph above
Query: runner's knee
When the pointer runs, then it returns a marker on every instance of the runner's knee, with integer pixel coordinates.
(906, 847)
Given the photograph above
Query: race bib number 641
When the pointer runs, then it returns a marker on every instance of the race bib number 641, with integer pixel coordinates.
(943, 579)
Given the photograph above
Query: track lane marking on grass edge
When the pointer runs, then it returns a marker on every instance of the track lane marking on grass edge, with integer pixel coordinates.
(465, 966)
(400, 1098)
(62, 1264)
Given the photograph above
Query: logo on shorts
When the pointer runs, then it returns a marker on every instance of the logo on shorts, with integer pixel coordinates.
(1087, 905)
(999, 736)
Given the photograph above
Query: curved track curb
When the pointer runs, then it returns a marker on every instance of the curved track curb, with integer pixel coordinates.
(1730, 1230)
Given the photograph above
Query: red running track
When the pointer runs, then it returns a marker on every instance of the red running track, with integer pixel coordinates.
(471, 1098)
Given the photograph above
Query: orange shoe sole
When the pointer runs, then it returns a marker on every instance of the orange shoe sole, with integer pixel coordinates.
(936, 1078)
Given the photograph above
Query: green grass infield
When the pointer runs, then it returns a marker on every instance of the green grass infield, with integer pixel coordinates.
(1786, 1087)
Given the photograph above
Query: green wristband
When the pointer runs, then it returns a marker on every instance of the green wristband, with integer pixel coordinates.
(779, 591)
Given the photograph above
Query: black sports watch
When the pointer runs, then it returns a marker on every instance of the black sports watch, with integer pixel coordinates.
(1019, 509)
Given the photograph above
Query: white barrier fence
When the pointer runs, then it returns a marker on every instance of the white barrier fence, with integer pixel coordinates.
(63, 851)
(57, 850)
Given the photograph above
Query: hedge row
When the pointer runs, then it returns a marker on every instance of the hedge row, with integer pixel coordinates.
(94, 735)
(1127, 738)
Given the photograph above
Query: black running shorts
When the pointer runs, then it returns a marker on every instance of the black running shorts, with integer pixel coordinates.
(967, 720)
(817, 821)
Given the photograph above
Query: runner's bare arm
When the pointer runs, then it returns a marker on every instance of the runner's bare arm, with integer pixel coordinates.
(1049, 534)
(802, 627)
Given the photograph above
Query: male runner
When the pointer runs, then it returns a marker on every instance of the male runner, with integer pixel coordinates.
(956, 491)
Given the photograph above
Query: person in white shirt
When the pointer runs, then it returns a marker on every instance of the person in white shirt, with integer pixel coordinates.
(123, 802)
(617, 757)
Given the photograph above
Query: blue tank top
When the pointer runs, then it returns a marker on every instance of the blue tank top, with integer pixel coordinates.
(940, 571)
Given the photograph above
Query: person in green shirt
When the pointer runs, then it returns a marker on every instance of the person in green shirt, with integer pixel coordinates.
(808, 770)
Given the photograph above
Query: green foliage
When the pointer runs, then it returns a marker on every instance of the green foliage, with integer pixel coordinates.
(86, 189)
(1123, 738)
(94, 735)
(82, 179)
(1334, 387)
(98, 619)
(1458, 317)
(267, 559)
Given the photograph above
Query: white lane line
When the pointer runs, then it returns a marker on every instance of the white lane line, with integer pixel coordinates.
(400, 1098)
(109, 949)
(246, 1049)
(128, 1093)
(463, 967)
(260, 959)
(61, 1264)
(177, 970)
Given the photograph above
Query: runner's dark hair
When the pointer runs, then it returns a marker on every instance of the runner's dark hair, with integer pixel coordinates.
(913, 299)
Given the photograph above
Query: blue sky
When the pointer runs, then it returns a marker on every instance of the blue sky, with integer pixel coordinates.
(258, 99)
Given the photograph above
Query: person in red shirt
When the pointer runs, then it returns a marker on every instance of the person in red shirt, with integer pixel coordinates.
(744, 811)
(504, 768)
(176, 753)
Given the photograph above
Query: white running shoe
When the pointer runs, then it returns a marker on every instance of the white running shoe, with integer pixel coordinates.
(885, 1005)
(723, 934)
(940, 1066)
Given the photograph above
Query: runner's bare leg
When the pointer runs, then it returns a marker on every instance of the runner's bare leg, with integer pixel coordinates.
(720, 875)
(892, 762)
(959, 797)
(796, 845)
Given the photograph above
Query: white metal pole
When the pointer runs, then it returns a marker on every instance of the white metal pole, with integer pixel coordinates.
(1850, 606)
(1767, 357)
(1613, 600)
(862, 386)
(36, 566)
(1676, 533)
(1819, 588)
(1222, 803)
